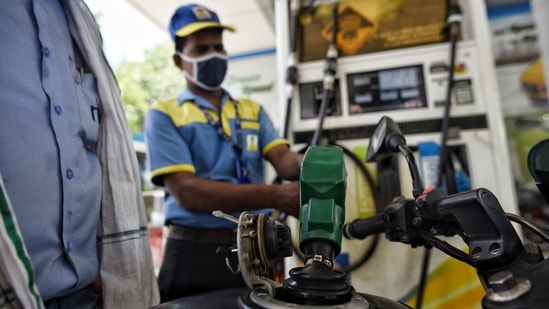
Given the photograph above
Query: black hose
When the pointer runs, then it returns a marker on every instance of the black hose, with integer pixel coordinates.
(423, 276)
(453, 20)
(375, 238)
(330, 69)
(291, 70)
(375, 196)
(454, 13)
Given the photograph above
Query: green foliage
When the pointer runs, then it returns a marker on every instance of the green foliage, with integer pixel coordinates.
(143, 83)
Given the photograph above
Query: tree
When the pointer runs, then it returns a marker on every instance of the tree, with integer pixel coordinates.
(143, 83)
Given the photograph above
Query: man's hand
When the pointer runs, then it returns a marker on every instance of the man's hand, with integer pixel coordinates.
(289, 202)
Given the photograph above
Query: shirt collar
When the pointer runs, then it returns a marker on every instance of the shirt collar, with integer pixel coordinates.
(188, 95)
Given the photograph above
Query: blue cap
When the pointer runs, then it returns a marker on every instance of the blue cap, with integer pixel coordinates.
(191, 18)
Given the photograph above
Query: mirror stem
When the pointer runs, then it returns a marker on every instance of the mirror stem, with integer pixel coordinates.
(417, 187)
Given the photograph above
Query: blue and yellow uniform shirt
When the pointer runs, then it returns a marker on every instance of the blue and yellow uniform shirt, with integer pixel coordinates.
(180, 139)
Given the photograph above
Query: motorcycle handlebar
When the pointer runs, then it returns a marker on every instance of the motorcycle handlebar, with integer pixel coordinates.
(361, 228)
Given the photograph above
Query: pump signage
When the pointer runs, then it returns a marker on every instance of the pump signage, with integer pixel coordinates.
(372, 26)
(354, 30)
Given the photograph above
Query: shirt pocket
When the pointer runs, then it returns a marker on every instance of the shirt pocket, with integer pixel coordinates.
(90, 110)
(250, 139)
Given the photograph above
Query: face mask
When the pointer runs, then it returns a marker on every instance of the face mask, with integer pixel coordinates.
(208, 71)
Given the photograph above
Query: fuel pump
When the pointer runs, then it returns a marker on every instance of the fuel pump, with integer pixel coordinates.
(433, 73)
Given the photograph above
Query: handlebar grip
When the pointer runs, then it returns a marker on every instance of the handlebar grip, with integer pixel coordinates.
(361, 228)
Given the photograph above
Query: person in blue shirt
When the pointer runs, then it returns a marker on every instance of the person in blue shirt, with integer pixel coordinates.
(207, 149)
(61, 121)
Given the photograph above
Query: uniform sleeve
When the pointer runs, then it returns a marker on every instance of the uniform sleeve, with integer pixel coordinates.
(167, 151)
(268, 135)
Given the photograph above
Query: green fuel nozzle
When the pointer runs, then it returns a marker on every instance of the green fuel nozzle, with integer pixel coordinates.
(322, 193)
(322, 214)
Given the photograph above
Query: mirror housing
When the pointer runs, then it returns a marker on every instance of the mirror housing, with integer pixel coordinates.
(386, 140)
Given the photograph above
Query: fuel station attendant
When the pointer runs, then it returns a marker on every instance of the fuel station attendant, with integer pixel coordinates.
(208, 149)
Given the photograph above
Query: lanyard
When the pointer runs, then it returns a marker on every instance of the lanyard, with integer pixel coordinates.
(216, 124)
(241, 166)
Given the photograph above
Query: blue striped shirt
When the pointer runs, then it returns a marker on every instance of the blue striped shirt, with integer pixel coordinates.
(180, 139)
(49, 127)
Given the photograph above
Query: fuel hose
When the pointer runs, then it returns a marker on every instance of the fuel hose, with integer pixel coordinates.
(454, 17)
(330, 69)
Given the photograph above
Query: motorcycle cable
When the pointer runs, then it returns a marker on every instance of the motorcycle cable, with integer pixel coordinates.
(534, 228)
(454, 17)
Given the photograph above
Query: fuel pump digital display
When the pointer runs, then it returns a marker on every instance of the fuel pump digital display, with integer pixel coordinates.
(388, 89)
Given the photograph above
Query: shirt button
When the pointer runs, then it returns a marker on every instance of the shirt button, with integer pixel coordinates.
(46, 51)
(58, 109)
(69, 173)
